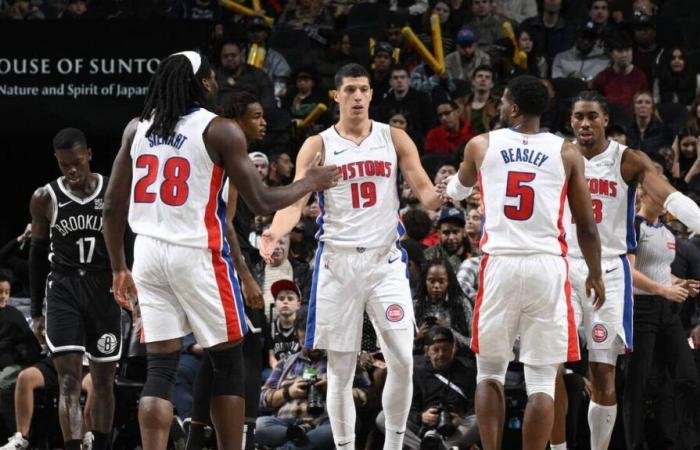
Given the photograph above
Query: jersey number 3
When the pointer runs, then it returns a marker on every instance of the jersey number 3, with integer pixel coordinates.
(517, 188)
(173, 190)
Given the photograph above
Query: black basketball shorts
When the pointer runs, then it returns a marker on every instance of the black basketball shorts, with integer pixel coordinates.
(82, 316)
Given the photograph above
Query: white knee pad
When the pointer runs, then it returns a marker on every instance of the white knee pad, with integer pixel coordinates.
(603, 355)
(490, 370)
(540, 379)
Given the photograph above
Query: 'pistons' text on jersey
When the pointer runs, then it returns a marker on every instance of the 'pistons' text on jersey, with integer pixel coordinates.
(362, 210)
(76, 228)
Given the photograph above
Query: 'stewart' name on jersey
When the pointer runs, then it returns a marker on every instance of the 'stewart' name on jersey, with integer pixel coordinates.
(76, 228)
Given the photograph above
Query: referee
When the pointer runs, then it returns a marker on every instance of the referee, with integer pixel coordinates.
(658, 332)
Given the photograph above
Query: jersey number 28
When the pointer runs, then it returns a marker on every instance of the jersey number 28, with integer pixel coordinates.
(173, 191)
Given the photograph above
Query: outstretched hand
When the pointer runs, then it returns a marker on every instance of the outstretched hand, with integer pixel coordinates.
(267, 245)
(322, 177)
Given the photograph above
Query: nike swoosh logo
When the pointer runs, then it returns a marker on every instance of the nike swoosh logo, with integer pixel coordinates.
(399, 432)
(338, 152)
(391, 260)
(61, 205)
(610, 270)
(342, 444)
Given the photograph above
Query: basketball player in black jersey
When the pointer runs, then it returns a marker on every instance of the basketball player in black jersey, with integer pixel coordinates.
(81, 316)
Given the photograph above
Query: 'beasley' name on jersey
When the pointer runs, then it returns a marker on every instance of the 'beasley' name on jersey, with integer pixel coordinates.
(527, 155)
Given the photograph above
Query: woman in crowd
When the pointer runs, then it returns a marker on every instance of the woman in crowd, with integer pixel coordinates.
(647, 131)
(440, 301)
(536, 63)
(676, 82)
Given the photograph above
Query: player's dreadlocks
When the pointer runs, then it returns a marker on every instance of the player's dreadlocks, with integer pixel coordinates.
(173, 90)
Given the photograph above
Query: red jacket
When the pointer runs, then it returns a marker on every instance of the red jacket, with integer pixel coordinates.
(442, 141)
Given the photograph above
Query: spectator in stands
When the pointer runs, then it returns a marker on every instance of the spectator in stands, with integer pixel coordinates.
(286, 392)
(676, 81)
(550, 31)
(401, 96)
(441, 380)
(447, 26)
(262, 163)
(21, 10)
(453, 246)
(412, 8)
(234, 73)
(18, 346)
(599, 14)
(283, 335)
(486, 23)
(482, 106)
(536, 63)
(452, 133)
(445, 170)
(306, 93)
(311, 16)
(14, 256)
(617, 133)
(380, 73)
(647, 131)
(619, 82)
(516, 10)
(41, 375)
(75, 9)
(408, 56)
(461, 63)
(275, 65)
(584, 60)
(694, 114)
(686, 164)
(209, 10)
(440, 301)
(337, 53)
(281, 169)
(473, 229)
(647, 49)
(281, 268)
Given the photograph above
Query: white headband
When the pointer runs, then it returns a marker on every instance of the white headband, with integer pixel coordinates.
(194, 57)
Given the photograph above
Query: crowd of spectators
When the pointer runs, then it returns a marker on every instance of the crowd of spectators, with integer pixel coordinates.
(630, 51)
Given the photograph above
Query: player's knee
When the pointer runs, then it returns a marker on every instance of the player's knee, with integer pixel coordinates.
(69, 382)
(540, 379)
(399, 349)
(493, 370)
(228, 378)
(161, 372)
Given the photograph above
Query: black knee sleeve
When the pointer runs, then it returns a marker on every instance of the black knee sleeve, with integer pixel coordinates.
(228, 378)
(160, 378)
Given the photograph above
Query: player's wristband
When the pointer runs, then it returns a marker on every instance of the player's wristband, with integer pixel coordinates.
(683, 208)
(456, 190)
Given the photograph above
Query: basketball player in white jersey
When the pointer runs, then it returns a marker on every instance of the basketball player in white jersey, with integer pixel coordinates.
(612, 171)
(168, 177)
(359, 264)
(525, 177)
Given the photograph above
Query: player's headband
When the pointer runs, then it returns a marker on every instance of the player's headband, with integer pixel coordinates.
(194, 57)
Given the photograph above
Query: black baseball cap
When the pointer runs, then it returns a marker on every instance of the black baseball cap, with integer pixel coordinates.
(439, 334)
(452, 214)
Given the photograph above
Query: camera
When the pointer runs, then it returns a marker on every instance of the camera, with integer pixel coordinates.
(434, 438)
(431, 321)
(316, 404)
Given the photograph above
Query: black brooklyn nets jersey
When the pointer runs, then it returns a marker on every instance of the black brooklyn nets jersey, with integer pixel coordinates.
(76, 228)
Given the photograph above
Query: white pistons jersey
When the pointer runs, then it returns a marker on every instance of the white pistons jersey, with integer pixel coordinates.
(176, 189)
(613, 205)
(363, 209)
(523, 189)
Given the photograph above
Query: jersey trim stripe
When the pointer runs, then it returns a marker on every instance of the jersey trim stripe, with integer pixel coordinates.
(560, 221)
(311, 318)
(319, 220)
(631, 233)
(572, 353)
(477, 306)
(627, 312)
(54, 205)
(484, 233)
(214, 212)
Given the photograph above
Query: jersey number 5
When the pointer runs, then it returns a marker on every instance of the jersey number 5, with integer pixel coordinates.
(173, 190)
(517, 188)
(366, 190)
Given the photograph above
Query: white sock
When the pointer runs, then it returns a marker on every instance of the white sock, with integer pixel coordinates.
(339, 402)
(561, 446)
(601, 420)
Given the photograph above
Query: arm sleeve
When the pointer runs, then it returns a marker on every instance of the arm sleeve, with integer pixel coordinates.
(684, 209)
(38, 270)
